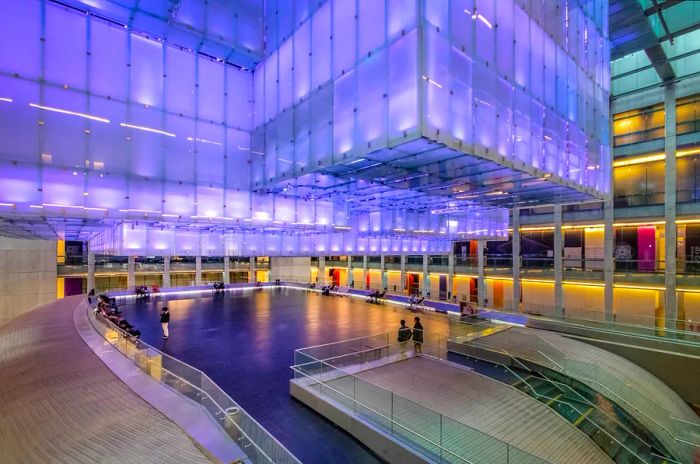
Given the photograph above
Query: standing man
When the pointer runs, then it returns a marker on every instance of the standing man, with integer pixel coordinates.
(418, 335)
(403, 336)
(164, 320)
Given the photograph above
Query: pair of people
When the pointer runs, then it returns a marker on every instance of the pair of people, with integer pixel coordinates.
(405, 334)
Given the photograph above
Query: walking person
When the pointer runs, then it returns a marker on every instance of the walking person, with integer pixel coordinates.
(164, 321)
(404, 335)
(418, 335)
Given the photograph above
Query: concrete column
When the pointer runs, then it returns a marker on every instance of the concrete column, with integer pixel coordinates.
(403, 274)
(131, 272)
(364, 272)
(322, 270)
(670, 303)
(608, 261)
(227, 270)
(198, 270)
(450, 274)
(516, 259)
(382, 272)
(426, 278)
(252, 275)
(351, 278)
(91, 272)
(166, 271)
(480, 281)
(558, 263)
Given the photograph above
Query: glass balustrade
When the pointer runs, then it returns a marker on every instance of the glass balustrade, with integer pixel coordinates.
(258, 444)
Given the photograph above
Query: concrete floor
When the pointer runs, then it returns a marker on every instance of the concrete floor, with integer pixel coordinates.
(245, 341)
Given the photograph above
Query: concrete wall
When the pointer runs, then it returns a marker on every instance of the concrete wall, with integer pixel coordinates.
(290, 269)
(27, 275)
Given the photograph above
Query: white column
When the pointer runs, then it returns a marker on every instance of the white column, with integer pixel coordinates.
(351, 278)
(608, 262)
(480, 281)
(558, 263)
(516, 259)
(426, 277)
(131, 273)
(252, 275)
(198, 270)
(322, 270)
(91, 271)
(166, 271)
(403, 274)
(227, 270)
(670, 303)
(382, 272)
(364, 272)
(450, 274)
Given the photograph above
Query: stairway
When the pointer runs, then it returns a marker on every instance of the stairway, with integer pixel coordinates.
(618, 434)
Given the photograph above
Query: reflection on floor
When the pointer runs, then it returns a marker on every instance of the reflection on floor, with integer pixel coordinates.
(244, 340)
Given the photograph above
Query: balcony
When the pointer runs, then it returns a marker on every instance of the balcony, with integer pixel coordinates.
(466, 265)
(498, 265)
(438, 264)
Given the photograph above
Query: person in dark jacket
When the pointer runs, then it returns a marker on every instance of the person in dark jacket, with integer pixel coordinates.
(418, 335)
(164, 321)
(404, 335)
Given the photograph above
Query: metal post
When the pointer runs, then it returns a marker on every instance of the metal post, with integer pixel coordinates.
(351, 277)
(558, 263)
(670, 303)
(516, 259)
(166, 271)
(382, 271)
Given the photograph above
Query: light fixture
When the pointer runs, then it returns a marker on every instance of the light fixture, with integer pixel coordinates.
(147, 129)
(71, 113)
(5, 99)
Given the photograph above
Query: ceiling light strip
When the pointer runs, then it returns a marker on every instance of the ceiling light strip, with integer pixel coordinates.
(71, 113)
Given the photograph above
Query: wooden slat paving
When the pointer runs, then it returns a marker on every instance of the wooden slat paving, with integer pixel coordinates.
(474, 400)
(60, 404)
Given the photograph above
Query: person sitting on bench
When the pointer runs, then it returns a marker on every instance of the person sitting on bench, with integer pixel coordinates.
(372, 295)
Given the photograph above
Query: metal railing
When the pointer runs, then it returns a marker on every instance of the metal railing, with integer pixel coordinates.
(682, 437)
(328, 368)
(257, 443)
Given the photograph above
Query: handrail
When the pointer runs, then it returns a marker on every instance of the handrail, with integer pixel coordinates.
(289, 457)
(606, 389)
(440, 447)
(582, 398)
(581, 414)
(295, 368)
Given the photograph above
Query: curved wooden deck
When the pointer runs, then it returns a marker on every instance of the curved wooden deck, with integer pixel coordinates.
(60, 403)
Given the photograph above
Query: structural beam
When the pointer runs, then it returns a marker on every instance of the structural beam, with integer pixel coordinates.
(403, 273)
(450, 274)
(670, 304)
(322, 270)
(252, 275)
(558, 263)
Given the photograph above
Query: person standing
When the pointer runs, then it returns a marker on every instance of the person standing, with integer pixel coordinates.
(164, 321)
(404, 335)
(418, 335)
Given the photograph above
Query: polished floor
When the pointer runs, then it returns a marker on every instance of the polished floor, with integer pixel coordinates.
(245, 341)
